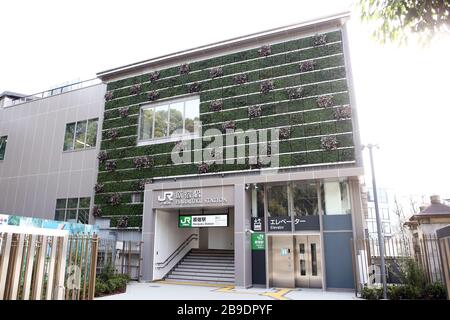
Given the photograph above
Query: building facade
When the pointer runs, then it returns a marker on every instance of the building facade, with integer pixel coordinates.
(385, 207)
(48, 162)
(240, 158)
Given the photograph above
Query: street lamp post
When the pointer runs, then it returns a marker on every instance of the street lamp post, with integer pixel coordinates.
(377, 215)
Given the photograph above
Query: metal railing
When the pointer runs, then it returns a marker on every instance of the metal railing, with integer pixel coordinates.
(52, 92)
(366, 262)
(161, 265)
(444, 253)
(123, 256)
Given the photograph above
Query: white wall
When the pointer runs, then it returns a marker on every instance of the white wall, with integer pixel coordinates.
(167, 239)
(222, 237)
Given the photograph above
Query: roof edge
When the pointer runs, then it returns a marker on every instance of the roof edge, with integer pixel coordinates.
(338, 17)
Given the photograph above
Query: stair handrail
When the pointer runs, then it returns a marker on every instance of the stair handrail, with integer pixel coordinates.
(177, 251)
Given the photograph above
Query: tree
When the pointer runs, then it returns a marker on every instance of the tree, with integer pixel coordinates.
(400, 18)
(399, 212)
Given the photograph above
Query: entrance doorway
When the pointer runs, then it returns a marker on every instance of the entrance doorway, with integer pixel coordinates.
(295, 261)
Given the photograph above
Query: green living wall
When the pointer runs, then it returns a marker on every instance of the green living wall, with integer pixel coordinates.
(300, 85)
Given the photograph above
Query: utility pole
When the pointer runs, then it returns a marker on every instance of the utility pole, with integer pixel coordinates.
(377, 214)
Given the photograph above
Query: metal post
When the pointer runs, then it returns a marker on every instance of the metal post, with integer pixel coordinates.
(377, 214)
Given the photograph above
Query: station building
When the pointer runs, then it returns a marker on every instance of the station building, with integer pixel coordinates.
(236, 162)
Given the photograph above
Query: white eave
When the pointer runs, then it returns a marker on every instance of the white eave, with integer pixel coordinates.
(311, 25)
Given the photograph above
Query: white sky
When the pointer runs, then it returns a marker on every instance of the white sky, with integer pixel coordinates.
(402, 93)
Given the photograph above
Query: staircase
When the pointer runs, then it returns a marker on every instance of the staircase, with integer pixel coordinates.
(205, 266)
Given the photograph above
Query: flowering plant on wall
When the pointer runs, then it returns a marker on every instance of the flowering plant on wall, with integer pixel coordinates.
(203, 167)
(153, 95)
(141, 184)
(325, 101)
(320, 39)
(143, 162)
(240, 78)
(102, 156)
(285, 133)
(343, 112)
(254, 112)
(264, 51)
(124, 112)
(153, 76)
(184, 69)
(216, 105)
(110, 166)
(216, 72)
(112, 134)
(307, 66)
(266, 86)
(109, 96)
(194, 87)
(228, 125)
(135, 89)
(122, 222)
(99, 187)
(295, 93)
(329, 143)
(115, 199)
(96, 212)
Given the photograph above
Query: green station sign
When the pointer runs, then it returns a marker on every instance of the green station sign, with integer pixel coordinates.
(200, 221)
(258, 241)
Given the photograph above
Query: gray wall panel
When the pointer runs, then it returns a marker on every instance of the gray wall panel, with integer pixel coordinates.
(337, 222)
(338, 260)
(35, 171)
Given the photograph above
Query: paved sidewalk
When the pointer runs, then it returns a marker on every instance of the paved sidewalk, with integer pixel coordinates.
(165, 290)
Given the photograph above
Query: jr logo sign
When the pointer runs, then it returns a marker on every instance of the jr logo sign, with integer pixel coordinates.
(185, 222)
(166, 197)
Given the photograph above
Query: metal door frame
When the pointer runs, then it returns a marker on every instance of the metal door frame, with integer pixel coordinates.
(309, 281)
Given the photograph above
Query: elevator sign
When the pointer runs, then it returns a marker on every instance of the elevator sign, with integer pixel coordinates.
(216, 220)
(258, 241)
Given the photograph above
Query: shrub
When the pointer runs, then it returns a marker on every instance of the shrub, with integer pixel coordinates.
(100, 287)
(369, 293)
(412, 274)
(117, 283)
(412, 292)
(413, 286)
(434, 291)
(107, 282)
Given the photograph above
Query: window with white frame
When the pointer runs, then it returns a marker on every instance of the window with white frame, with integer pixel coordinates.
(80, 135)
(372, 213)
(386, 228)
(385, 213)
(160, 122)
(372, 226)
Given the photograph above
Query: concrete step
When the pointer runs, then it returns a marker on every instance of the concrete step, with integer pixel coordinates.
(206, 264)
(205, 274)
(225, 255)
(202, 278)
(207, 253)
(201, 281)
(193, 259)
(202, 271)
(202, 267)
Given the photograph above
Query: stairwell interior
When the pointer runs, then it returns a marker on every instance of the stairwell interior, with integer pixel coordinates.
(205, 266)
